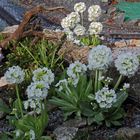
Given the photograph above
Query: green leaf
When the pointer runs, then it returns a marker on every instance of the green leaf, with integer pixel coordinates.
(121, 97)
(99, 117)
(86, 109)
(116, 123)
(118, 115)
(45, 138)
(108, 124)
(81, 86)
(90, 120)
(61, 102)
(132, 10)
(26, 123)
(4, 107)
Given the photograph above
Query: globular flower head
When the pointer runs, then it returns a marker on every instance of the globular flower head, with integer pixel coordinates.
(127, 64)
(67, 23)
(14, 75)
(80, 7)
(37, 90)
(61, 84)
(43, 74)
(94, 12)
(32, 134)
(79, 30)
(34, 104)
(70, 21)
(95, 28)
(70, 35)
(99, 58)
(76, 68)
(105, 97)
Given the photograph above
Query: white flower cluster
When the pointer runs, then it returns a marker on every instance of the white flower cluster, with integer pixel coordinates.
(43, 74)
(70, 21)
(95, 28)
(74, 70)
(37, 90)
(99, 58)
(61, 84)
(127, 64)
(80, 7)
(74, 29)
(105, 97)
(32, 134)
(14, 75)
(79, 30)
(33, 104)
(94, 12)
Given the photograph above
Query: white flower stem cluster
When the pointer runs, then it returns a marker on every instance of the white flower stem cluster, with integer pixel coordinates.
(74, 70)
(14, 75)
(38, 89)
(43, 74)
(35, 105)
(99, 58)
(94, 12)
(127, 64)
(73, 23)
(62, 84)
(95, 28)
(105, 97)
(80, 7)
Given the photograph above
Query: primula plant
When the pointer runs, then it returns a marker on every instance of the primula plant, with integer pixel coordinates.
(73, 25)
(86, 92)
(29, 116)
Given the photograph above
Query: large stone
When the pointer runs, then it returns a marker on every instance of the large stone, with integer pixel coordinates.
(65, 133)
(135, 84)
(9, 30)
(75, 123)
(128, 134)
(3, 82)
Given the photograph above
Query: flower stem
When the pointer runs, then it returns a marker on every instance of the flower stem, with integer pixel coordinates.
(118, 82)
(82, 19)
(99, 82)
(96, 81)
(19, 101)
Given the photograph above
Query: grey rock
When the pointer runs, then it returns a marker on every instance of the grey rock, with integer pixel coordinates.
(135, 84)
(104, 0)
(2, 114)
(111, 10)
(132, 22)
(128, 133)
(75, 123)
(65, 133)
(119, 18)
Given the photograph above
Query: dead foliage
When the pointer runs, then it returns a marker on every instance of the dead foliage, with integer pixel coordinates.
(26, 29)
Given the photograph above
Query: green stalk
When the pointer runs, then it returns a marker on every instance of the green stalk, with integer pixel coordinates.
(19, 101)
(96, 81)
(118, 82)
(99, 82)
(30, 53)
(82, 19)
